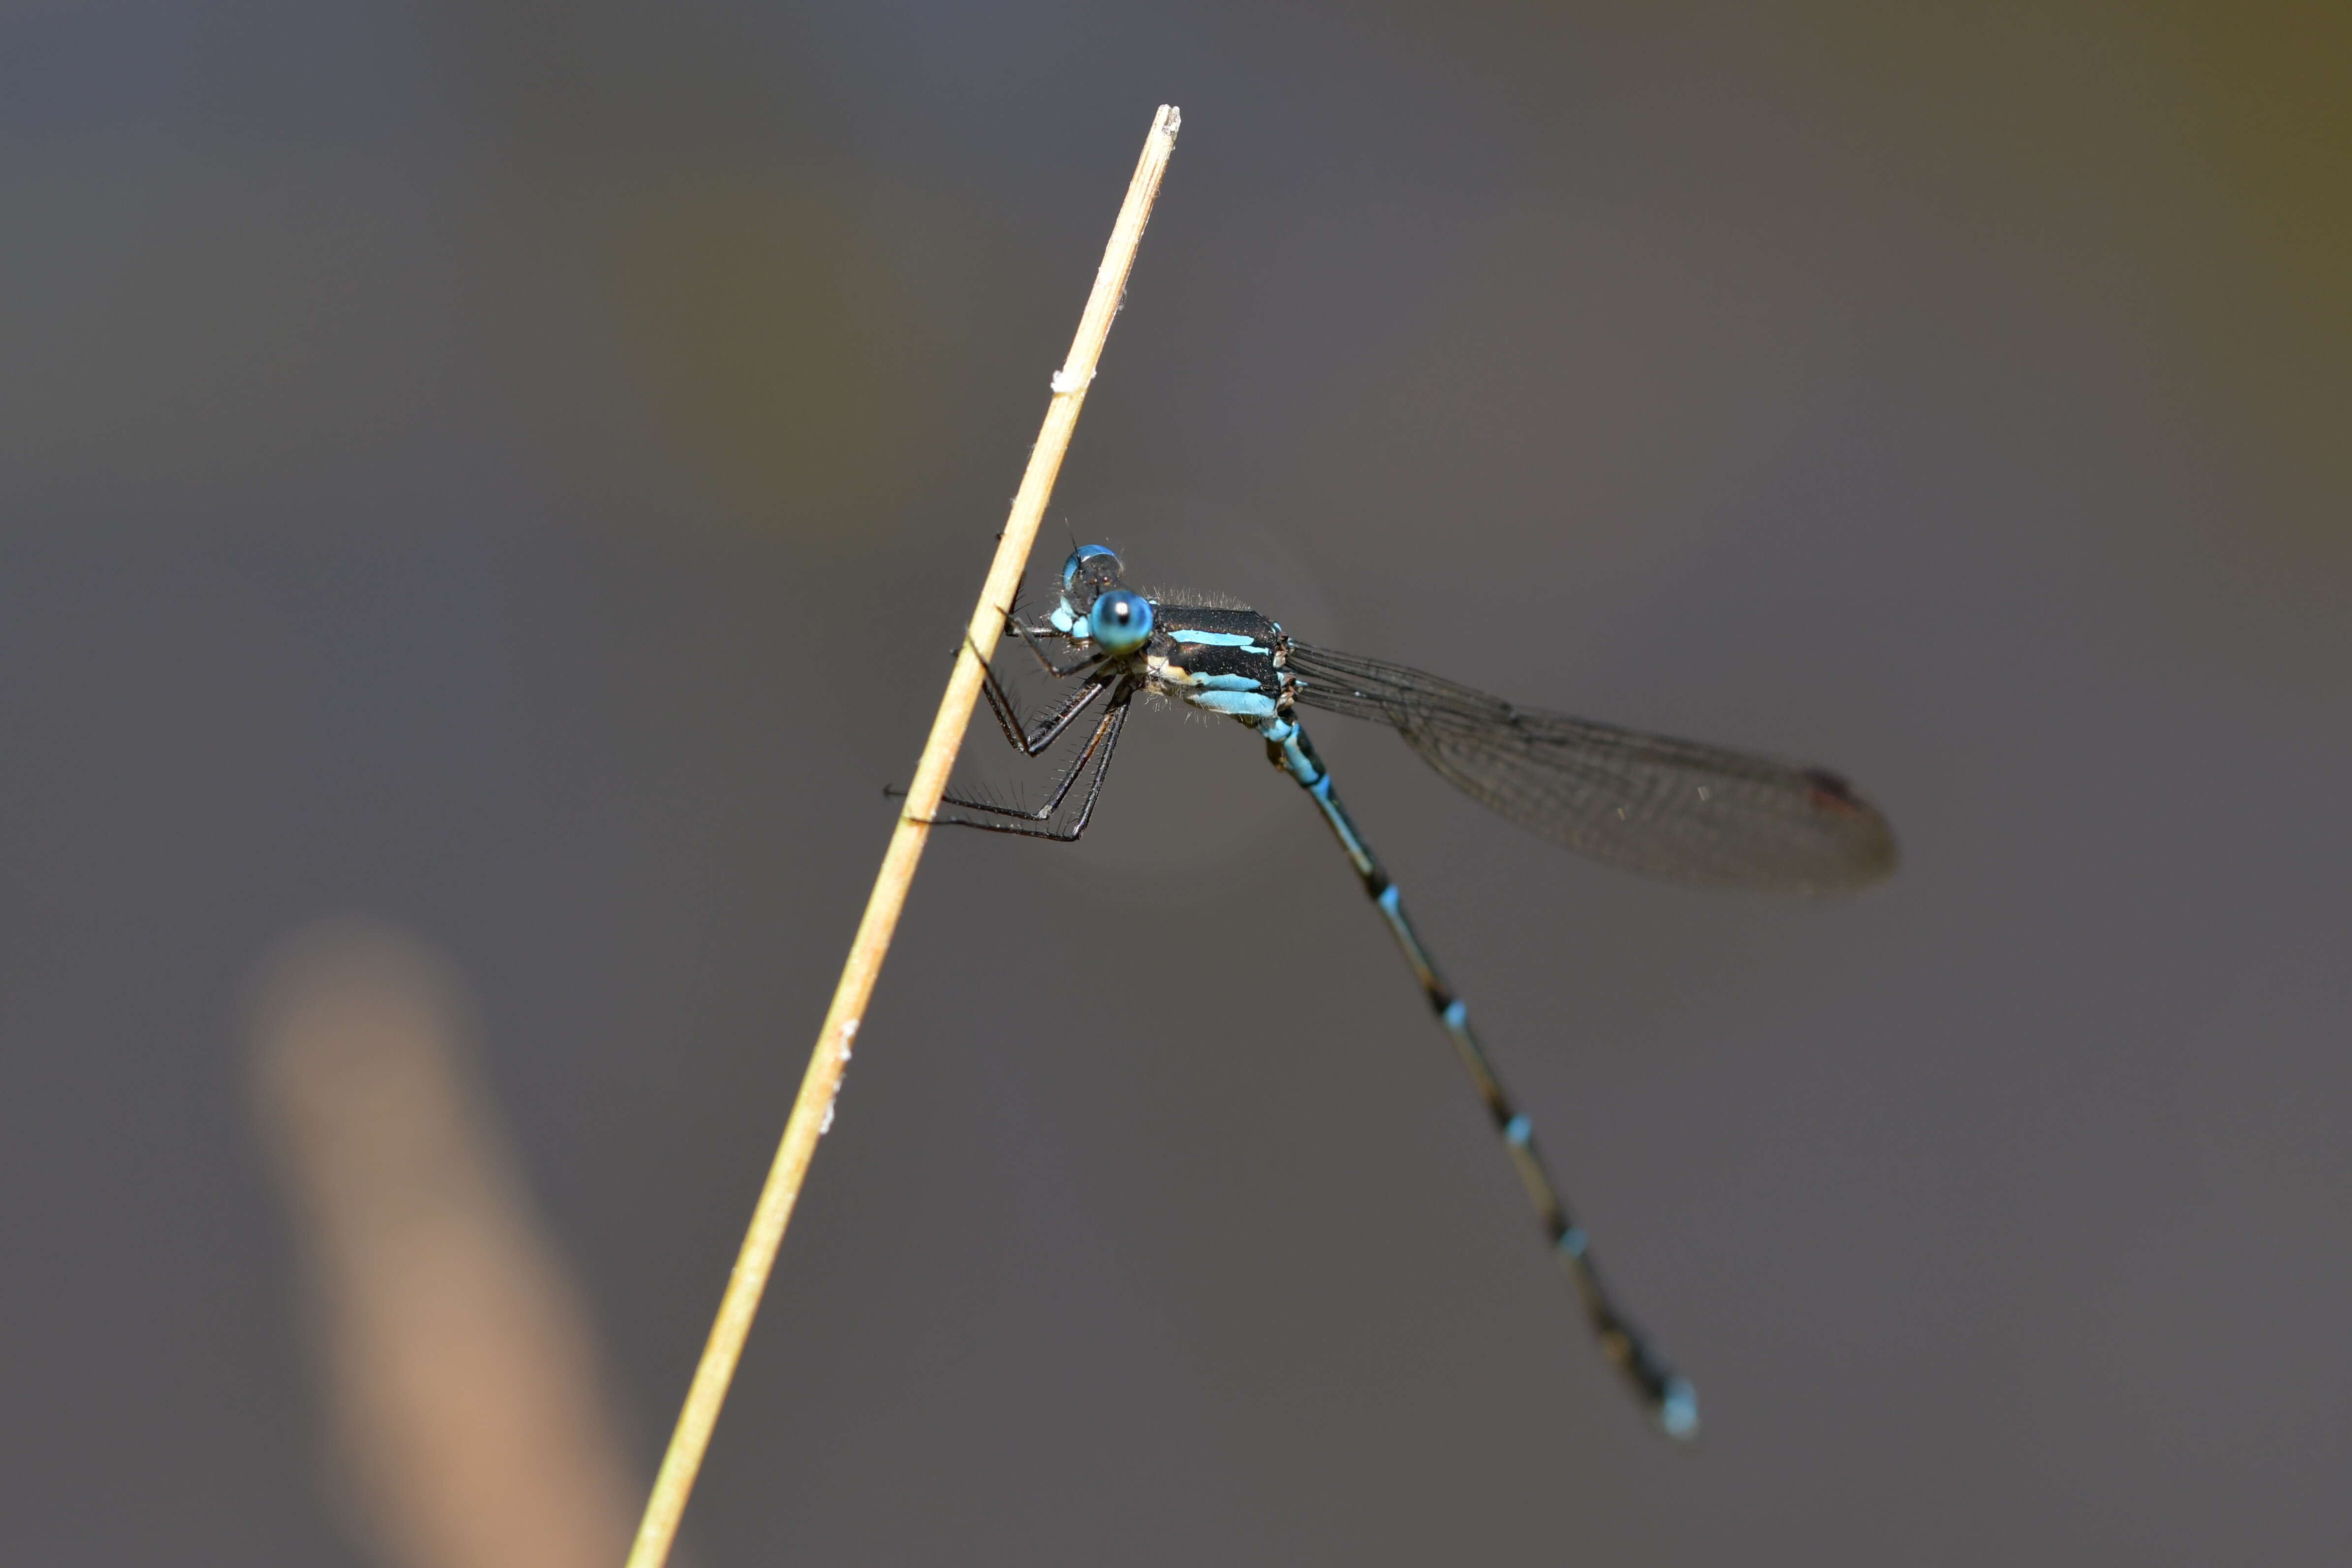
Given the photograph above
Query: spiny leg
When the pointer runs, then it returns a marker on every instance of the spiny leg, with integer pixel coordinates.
(1671, 1398)
(1018, 733)
(1000, 701)
(1098, 747)
(1022, 739)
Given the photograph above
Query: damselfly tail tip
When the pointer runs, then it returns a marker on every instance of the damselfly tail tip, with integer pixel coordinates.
(1672, 1401)
(1678, 1410)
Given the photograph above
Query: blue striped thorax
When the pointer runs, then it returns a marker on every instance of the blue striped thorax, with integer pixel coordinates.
(1230, 662)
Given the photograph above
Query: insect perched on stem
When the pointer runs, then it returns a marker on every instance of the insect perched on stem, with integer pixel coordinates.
(1669, 807)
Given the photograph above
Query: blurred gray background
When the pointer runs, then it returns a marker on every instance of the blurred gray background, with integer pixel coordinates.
(516, 472)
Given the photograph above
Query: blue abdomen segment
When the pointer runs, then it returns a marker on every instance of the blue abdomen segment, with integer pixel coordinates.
(1672, 1403)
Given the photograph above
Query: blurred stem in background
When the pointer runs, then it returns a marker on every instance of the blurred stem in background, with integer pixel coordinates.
(460, 1374)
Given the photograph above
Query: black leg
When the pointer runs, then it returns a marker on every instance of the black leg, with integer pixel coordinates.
(1017, 734)
(1097, 752)
(1020, 737)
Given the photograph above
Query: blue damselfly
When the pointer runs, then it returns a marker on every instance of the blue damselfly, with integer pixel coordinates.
(1669, 807)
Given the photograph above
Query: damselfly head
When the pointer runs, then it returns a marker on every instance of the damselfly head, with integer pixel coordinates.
(1091, 570)
(1120, 621)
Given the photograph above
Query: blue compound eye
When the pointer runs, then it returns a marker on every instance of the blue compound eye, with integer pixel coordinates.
(1120, 621)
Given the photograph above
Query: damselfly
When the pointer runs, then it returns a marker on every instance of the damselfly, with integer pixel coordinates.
(1669, 807)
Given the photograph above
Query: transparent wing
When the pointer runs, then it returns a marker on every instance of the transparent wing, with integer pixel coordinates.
(1669, 807)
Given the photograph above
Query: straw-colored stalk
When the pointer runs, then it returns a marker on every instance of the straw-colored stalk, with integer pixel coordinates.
(812, 1109)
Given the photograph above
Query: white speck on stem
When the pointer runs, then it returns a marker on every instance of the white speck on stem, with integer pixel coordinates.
(848, 1037)
(1067, 380)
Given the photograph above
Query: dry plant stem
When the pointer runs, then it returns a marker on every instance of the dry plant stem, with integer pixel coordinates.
(811, 1112)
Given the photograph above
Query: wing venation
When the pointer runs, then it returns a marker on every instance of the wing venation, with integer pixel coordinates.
(1669, 807)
